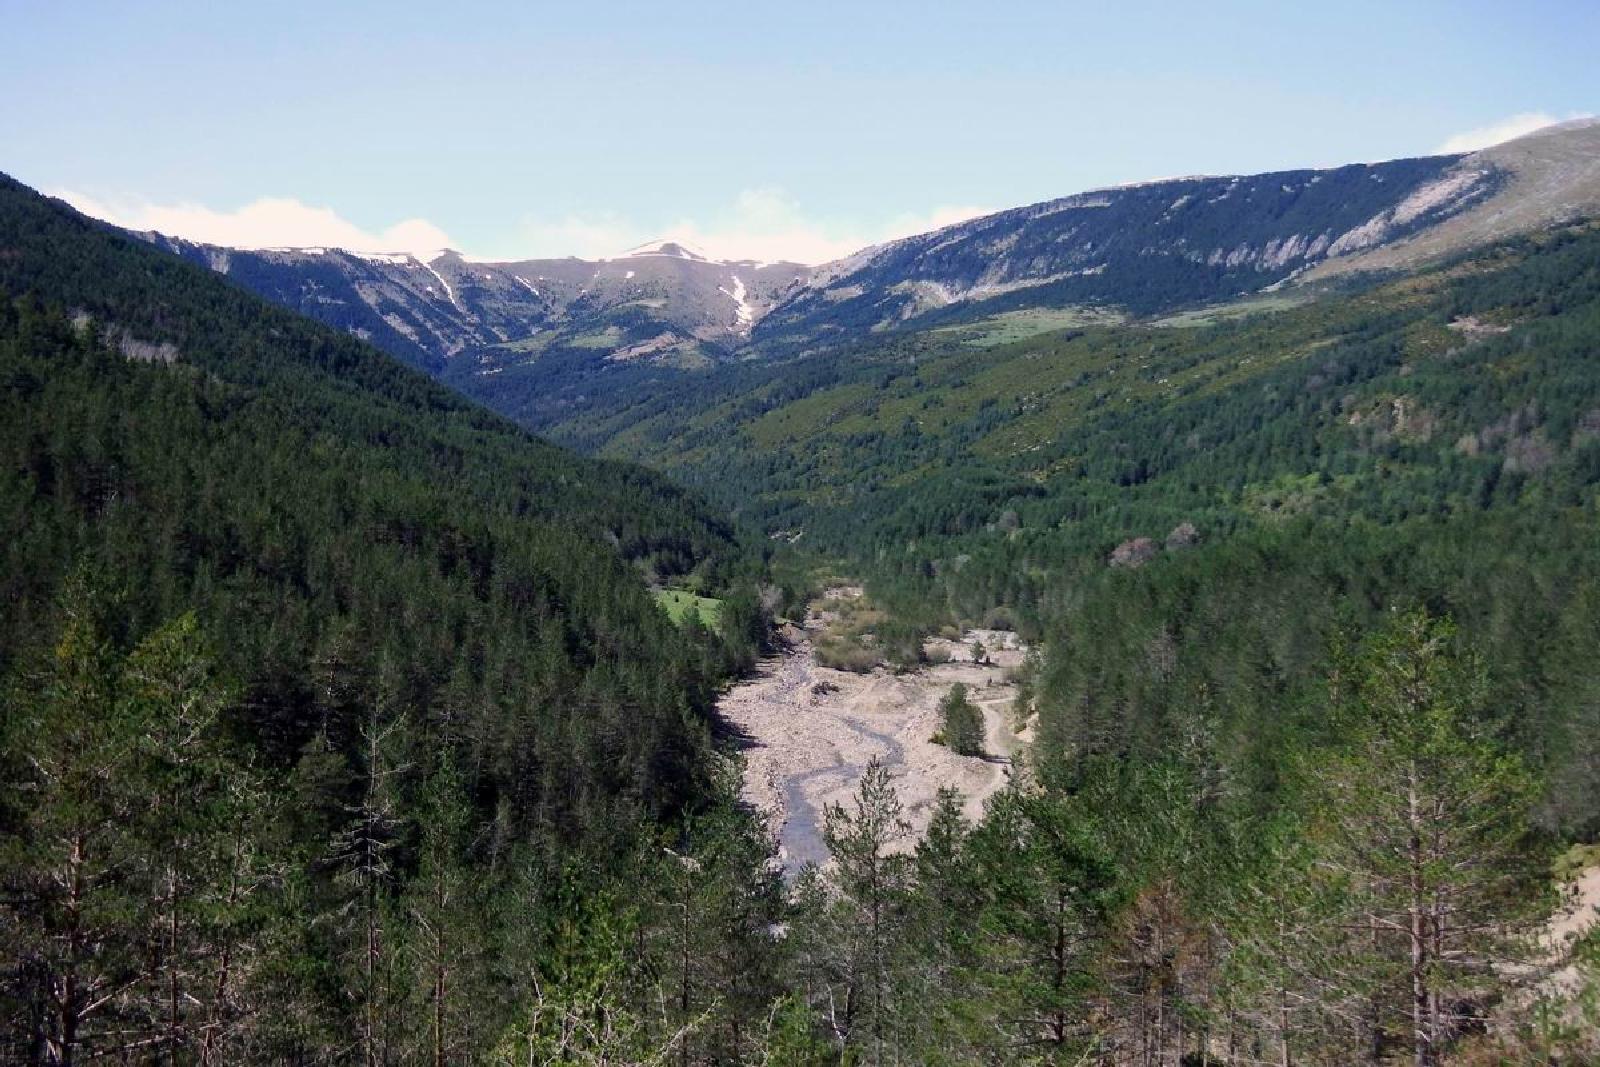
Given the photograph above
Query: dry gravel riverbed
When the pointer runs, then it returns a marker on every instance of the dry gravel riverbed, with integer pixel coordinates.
(810, 731)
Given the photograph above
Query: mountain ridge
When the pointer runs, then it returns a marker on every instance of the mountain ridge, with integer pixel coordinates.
(430, 310)
(1140, 248)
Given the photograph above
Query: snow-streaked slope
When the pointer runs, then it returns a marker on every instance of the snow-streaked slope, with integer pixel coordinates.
(435, 308)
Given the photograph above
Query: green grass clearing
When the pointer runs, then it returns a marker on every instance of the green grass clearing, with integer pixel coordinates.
(1238, 309)
(610, 337)
(678, 603)
(1011, 326)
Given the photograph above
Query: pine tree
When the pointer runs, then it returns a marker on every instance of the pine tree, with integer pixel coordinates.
(1291, 984)
(961, 722)
(874, 880)
(443, 913)
(203, 829)
(788, 1037)
(1426, 819)
(130, 871)
(77, 919)
(938, 989)
(1049, 888)
(718, 896)
(578, 1006)
(362, 854)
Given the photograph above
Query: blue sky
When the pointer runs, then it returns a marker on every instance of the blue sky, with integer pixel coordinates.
(803, 128)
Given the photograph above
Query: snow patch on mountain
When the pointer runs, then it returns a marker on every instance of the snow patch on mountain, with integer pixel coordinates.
(742, 311)
(449, 292)
(397, 259)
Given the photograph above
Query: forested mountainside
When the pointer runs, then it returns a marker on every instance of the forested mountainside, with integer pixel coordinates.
(1464, 387)
(1184, 247)
(1225, 496)
(341, 725)
(1314, 586)
(314, 673)
(1139, 248)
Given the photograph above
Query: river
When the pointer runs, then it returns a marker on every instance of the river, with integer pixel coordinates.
(810, 731)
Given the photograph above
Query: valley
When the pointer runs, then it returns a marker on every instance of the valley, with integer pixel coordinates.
(806, 733)
(348, 720)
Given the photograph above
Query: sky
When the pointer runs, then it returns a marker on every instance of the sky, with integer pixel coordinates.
(801, 130)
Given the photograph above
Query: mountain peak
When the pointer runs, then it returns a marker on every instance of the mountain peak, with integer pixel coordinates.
(669, 248)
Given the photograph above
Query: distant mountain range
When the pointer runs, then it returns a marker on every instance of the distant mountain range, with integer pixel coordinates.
(662, 300)
(1133, 250)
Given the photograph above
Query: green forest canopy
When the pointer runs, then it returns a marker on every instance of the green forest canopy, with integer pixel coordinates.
(342, 723)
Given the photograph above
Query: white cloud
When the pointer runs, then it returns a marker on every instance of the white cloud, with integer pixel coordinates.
(1494, 133)
(593, 237)
(761, 224)
(270, 222)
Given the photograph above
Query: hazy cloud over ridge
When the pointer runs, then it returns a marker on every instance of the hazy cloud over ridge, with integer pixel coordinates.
(1506, 129)
(268, 222)
(761, 224)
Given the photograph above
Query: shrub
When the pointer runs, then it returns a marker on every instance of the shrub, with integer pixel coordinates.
(844, 655)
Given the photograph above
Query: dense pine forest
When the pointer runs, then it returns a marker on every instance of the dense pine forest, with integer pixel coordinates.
(342, 726)
(329, 697)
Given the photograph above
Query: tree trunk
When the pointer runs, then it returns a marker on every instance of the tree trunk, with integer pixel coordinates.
(1058, 980)
(68, 1007)
(174, 1002)
(683, 981)
(438, 997)
(1421, 1039)
(1283, 1028)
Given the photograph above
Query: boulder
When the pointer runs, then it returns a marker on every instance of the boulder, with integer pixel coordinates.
(1134, 553)
(1183, 535)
